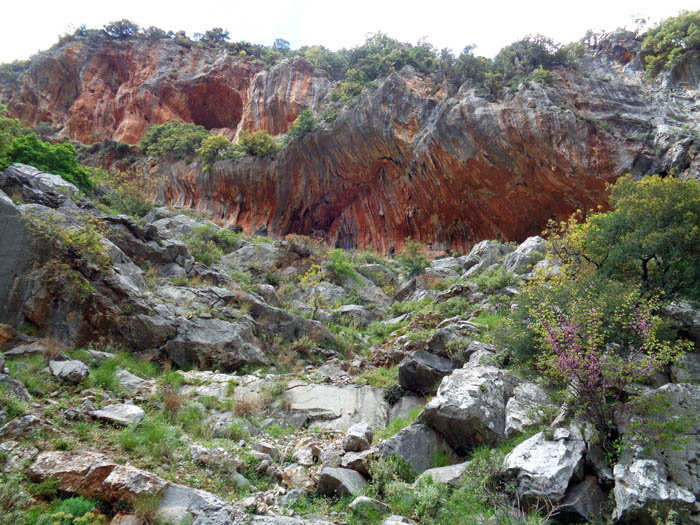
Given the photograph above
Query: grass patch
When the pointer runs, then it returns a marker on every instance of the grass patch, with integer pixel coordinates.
(399, 424)
(380, 377)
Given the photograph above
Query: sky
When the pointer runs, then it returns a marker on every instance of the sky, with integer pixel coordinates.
(30, 26)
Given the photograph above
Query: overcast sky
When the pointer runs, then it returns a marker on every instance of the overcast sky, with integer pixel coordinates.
(29, 26)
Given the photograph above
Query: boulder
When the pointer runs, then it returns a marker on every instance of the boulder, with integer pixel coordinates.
(267, 448)
(377, 273)
(340, 482)
(215, 457)
(544, 468)
(364, 505)
(358, 438)
(69, 371)
(359, 461)
(135, 385)
(397, 520)
(14, 388)
(338, 407)
(418, 445)
(296, 477)
(213, 343)
(422, 371)
(16, 456)
(586, 499)
(683, 316)
(645, 478)
(19, 427)
(525, 256)
(353, 315)
(221, 425)
(36, 186)
(449, 475)
(182, 504)
(404, 406)
(91, 474)
(528, 406)
(687, 369)
(470, 407)
(460, 332)
(483, 255)
(263, 257)
(120, 414)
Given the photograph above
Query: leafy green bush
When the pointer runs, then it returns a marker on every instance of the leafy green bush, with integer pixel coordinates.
(340, 266)
(302, 125)
(77, 506)
(411, 259)
(650, 238)
(257, 144)
(674, 40)
(213, 148)
(173, 140)
(383, 471)
(208, 244)
(493, 279)
(57, 158)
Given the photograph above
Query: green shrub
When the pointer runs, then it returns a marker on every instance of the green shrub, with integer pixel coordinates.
(257, 144)
(77, 507)
(383, 471)
(650, 238)
(301, 126)
(173, 140)
(213, 148)
(52, 158)
(208, 244)
(411, 259)
(340, 266)
(493, 279)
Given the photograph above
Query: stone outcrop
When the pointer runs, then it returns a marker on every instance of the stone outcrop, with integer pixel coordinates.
(95, 87)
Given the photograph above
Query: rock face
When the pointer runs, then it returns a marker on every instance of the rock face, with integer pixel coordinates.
(415, 158)
(421, 371)
(95, 87)
(340, 482)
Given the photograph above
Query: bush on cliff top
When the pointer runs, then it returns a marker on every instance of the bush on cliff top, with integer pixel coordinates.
(671, 42)
(174, 140)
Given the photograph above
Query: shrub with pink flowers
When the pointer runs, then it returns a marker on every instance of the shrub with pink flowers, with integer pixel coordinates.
(601, 357)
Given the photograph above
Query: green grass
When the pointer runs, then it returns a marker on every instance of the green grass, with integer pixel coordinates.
(30, 372)
(380, 377)
(154, 437)
(489, 320)
(399, 424)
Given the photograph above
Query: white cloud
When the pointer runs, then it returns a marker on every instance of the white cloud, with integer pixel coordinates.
(28, 27)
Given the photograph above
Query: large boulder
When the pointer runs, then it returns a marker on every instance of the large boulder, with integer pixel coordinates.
(92, 474)
(18, 252)
(483, 255)
(470, 407)
(72, 371)
(419, 445)
(358, 438)
(422, 371)
(685, 317)
(525, 256)
(528, 406)
(214, 343)
(338, 407)
(340, 482)
(544, 468)
(182, 504)
(37, 187)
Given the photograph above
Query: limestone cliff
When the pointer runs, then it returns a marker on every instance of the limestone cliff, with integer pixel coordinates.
(414, 158)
